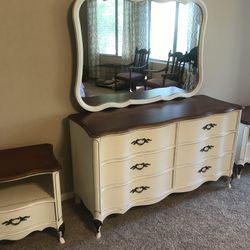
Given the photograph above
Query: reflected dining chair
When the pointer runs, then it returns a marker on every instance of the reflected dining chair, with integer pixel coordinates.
(172, 73)
(135, 72)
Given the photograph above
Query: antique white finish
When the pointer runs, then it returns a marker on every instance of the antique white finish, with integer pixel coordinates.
(131, 100)
(112, 175)
(30, 204)
(243, 145)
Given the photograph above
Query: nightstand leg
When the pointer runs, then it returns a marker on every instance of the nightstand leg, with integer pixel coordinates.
(239, 170)
(229, 181)
(98, 225)
(61, 233)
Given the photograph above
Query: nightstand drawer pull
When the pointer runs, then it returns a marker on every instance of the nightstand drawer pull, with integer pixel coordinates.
(207, 148)
(139, 189)
(15, 221)
(209, 126)
(140, 166)
(204, 169)
(140, 142)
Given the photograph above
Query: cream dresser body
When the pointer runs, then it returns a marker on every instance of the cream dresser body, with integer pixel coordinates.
(139, 155)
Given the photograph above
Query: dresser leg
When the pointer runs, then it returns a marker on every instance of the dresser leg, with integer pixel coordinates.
(98, 225)
(61, 233)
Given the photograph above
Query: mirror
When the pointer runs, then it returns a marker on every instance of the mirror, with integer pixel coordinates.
(107, 39)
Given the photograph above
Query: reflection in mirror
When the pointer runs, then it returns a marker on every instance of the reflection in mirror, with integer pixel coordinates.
(113, 32)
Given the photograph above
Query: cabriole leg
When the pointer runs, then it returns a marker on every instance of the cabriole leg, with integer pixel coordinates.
(98, 225)
(61, 233)
(229, 182)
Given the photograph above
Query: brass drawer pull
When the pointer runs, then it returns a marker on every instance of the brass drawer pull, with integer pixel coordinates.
(206, 148)
(140, 166)
(140, 142)
(204, 169)
(15, 221)
(209, 126)
(139, 189)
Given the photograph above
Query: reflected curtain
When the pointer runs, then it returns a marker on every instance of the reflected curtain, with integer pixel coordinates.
(194, 25)
(93, 46)
(135, 28)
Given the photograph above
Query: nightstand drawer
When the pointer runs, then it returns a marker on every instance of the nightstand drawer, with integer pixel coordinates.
(139, 192)
(200, 129)
(137, 141)
(196, 152)
(205, 171)
(119, 172)
(18, 220)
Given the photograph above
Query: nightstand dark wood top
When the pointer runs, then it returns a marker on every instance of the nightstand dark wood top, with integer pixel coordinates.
(26, 161)
(121, 120)
(245, 118)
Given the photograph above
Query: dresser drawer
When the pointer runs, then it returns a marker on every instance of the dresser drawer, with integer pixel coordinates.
(139, 191)
(120, 172)
(138, 141)
(206, 171)
(24, 218)
(200, 129)
(196, 152)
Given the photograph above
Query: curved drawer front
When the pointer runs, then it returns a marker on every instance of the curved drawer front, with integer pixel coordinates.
(200, 129)
(138, 141)
(140, 191)
(24, 218)
(194, 153)
(205, 171)
(119, 172)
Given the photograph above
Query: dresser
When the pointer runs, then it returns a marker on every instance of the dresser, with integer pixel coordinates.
(243, 144)
(140, 154)
(30, 197)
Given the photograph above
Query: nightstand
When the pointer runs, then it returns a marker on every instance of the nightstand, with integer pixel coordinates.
(243, 143)
(30, 192)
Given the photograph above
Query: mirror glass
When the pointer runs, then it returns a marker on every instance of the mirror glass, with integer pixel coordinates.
(137, 52)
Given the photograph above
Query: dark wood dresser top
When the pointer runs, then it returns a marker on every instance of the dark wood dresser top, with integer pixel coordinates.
(246, 115)
(25, 161)
(120, 120)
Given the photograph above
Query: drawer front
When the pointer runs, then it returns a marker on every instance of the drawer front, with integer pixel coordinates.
(196, 152)
(119, 172)
(141, 140)
(138, 191)
(200, 129)
(21, 219)
(208, 170)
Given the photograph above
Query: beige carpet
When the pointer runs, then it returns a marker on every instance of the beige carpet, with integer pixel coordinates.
(210, 217)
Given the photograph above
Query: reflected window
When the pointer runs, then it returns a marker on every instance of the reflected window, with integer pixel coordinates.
(174, 27)
(168, 26)
(110, 26)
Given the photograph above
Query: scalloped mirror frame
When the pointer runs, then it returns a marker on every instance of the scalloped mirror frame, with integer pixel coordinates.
(132, 99)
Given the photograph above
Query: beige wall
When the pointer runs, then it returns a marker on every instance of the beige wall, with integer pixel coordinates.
(36, 76)
(37, 66)
(226, 51)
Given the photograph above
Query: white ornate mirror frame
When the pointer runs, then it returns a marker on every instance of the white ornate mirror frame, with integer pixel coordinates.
(95, 104)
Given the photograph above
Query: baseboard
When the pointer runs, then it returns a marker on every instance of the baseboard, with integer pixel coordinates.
(67, 196)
